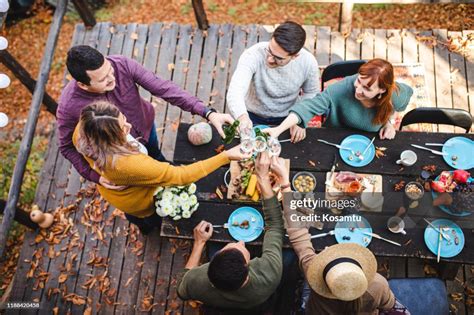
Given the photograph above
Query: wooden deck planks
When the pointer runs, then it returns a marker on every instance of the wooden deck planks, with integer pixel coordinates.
(179, 77)
(457, 80)
(209, 63)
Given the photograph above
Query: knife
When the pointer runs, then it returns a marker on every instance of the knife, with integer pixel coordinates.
(446, 236)
(333, 168)
(440, 239)
(428, 149)
(337, 145)
(381, 238)
(322, 234)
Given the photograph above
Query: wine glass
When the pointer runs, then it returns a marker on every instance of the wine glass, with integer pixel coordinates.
(246, 133)
(260, 144)
(274, 146)
(247, 146)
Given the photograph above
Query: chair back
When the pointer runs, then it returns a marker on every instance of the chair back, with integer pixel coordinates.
(421, 295)
(340, 69)
(435, 115)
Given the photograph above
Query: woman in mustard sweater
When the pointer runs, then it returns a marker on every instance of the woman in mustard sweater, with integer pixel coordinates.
(103, 137)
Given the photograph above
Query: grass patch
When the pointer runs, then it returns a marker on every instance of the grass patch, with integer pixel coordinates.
(367, 7)
(316, 16)
(104, 14)
(261, 8)
(232, 11)
(212, 6)
(186, 8)
(8, 156)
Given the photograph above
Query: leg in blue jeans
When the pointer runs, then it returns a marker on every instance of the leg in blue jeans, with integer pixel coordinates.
(271, 121)
(153, 146)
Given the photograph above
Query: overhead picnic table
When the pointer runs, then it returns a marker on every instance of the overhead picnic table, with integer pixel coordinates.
(311, 155)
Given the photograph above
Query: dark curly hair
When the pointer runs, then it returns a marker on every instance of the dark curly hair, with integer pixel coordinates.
(228, 270)
(290, 36)
(82, 58)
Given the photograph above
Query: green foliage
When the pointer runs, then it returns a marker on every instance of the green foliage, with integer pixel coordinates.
(103, 14)
(185, 9)
(368, 7)
(232, 11)
(8, 156)
(310, 18)
(261, 8)
(212, 6)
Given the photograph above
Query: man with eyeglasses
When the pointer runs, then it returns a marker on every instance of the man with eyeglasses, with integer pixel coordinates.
(271, 76)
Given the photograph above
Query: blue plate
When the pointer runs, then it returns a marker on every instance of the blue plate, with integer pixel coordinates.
(256, 224)
(448, 249)
(357, 143)
(461, 147)
(261, 127)
(343, 229)
(446, 209)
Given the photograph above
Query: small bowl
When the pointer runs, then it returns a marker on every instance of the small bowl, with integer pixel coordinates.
(410, 195)
(303, 174)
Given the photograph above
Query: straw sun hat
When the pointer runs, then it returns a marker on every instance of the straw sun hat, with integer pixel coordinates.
(342, 271)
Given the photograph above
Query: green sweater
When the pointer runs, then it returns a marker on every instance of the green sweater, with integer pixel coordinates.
(338, 102)
(264, 272)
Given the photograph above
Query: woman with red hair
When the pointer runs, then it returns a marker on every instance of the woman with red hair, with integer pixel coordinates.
(364, 101)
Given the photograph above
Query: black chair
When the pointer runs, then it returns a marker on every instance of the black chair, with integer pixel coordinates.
(436, 115)
(340, 69)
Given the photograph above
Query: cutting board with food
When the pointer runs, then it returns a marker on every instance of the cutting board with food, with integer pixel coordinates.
(368, 187)
(243, 181)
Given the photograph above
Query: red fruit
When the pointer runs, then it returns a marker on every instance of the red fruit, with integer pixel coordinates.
(461, 176)
(438, 186)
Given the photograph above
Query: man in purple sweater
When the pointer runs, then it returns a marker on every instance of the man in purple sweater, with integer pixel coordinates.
(115, 79)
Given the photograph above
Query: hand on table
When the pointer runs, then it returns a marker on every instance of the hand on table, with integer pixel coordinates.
(202, 232)
(387, 132)
(297, 134)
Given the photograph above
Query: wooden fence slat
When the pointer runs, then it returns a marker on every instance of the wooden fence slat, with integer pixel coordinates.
(410, 46)
(208, 65)
(310, 42)
(353, 47)
(179, 77)
(193, 69)
(442, 70)
(367, 44)
(163, 277)
(323, 42)
(224, 47)
(165, 70)
(337, 47)
(470, 77)
(457, 80)
(252, 35)
(149, 270)
(380, 44)
(151, 54)
(394, 46)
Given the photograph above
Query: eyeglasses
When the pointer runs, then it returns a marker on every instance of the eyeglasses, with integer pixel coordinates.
(277, 59)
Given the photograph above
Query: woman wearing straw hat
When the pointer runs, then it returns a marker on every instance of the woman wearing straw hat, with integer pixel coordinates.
(343, 278)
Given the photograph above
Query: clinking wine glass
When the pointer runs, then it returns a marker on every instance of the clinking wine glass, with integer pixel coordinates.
(246, 133)
(260, 144)
(274, 146)
(247, 146)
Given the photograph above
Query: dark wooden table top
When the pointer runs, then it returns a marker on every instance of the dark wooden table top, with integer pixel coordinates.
(217, 211)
